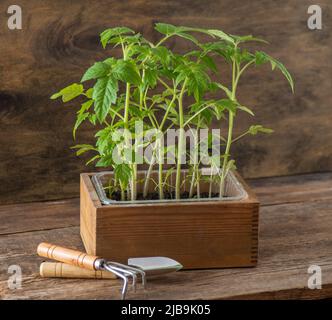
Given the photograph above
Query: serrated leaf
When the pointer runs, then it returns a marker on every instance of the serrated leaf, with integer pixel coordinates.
(151, 77)
(104, 95)
(262, 57)
(98, 70)
(253, 130)
(126, 71)
(161, 52)
(106, 35)
(221, 35)
(105, 161)
(197, 79)
(226, 104)
(209, 62)
(169, 29)
(123, 173)
(82, 115)
(69, 93)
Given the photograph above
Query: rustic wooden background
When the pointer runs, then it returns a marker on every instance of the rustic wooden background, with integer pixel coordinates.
(60, 39)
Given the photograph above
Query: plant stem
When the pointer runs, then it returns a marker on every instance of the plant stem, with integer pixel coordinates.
(198, 187)
(195, 167)
(210, 183)
(226, 155)
(133, 182)
(192, 183)
(123, 194)
(147, 177)
(180, 143)
(160, 167)
(235, 79)
(160, 181)
(126, 110)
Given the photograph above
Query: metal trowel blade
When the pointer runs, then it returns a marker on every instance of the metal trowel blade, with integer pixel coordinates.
(155, 265)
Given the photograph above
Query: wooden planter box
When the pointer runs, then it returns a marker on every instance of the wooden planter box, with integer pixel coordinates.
(212, 234)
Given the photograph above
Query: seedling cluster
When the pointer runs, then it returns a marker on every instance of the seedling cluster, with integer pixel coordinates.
(153, 85)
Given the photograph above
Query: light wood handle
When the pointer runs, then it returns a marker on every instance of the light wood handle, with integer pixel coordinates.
(63, 270)
(69, 256)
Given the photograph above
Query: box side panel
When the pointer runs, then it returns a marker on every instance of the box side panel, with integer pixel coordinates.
(88, 211)
(255, 234)
(204, 235)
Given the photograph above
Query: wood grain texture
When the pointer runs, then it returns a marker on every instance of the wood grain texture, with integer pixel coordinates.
(293, 235)
(70, 256)
(59, 40)
(63, 270)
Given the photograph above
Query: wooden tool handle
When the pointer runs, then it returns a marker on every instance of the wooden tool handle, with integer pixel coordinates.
(69, 256)
(63, 270)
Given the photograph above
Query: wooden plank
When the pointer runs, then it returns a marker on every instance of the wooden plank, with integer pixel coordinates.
(292, 237)
(297, 188)
(38, 216)
(59, 40)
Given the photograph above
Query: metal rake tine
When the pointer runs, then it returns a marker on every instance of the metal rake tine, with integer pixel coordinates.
(123, 270)
(123, 277)
(137, 270)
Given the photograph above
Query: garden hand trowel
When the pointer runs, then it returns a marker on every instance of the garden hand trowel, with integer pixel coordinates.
(94, 267)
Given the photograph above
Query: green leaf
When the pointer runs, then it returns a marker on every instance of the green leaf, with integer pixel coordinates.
(123, 173)
(126, 71)
(98, 70)
(253, 130)
(92, 159)
(151, 77)
(82, 115)
(104, 95)
(105, 161)
(82, 148)
(187, 37)
(262, 57)
(197, 79)
(89, 93)
(226, 104)
(222, 35)
(162, 53)
(166, 29)
(248, 38)
(230, 166)
(69, 93)
(169, 29)
(108, 34)
(245, 109)
(209, 62)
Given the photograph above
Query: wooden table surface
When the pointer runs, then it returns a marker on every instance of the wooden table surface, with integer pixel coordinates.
(295, 232)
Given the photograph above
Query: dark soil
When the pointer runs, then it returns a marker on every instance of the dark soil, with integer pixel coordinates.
(167, 196)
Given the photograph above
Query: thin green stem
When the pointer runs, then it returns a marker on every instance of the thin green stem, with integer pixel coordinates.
(235, 79)
(195, 115)
(180, 143)
(240, 136)
(147, 177)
